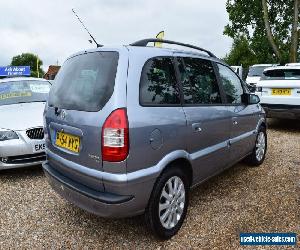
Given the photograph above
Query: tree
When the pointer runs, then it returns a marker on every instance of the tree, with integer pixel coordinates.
(295, 32)
(241, 53)
(28, 59)
(270, 26)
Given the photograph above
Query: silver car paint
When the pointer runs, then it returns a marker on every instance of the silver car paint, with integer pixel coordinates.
(22, 116)
(209, 151)
(19, 118)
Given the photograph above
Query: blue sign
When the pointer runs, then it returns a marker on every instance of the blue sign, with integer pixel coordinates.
(255, 239)
(15, 71)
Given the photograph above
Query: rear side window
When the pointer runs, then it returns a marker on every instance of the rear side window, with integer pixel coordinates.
(257, 70)
(158, 84)
(199, 82)
(85, 82)
(232, 85)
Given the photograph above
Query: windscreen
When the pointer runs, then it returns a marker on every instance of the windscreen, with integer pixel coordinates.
(257, 70)
(23, 91)
(282, 74)
(85, 82)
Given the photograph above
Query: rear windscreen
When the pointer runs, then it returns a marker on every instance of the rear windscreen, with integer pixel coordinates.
(282, 74)
(85, 82)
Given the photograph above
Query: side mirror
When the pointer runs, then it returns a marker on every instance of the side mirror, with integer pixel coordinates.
(250, 99)
(251, 88)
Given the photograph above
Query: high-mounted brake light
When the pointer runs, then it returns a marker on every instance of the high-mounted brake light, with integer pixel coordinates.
(115, 137)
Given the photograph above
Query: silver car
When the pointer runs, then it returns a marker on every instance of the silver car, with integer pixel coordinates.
(22, 101)
(129, 130)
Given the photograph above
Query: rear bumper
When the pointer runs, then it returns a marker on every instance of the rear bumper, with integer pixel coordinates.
(121, 197)
(99, 203)
(64, 182)
(282, 111)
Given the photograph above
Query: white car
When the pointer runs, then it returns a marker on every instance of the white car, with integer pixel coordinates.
(256, 72)
(238, 70)
(22, 102)
(292, 64)
(279, 92)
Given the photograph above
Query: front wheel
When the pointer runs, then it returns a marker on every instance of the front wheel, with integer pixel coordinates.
(258, 154)
(168, 204)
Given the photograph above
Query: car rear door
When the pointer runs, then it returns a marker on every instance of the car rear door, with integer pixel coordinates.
(79, 103)
(207, 117)
(244, 118)
(156, 117)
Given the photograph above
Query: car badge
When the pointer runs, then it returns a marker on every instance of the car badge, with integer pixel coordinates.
(63, 114)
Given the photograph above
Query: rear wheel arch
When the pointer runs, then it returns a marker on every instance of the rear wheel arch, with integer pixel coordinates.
(263, 125)
(180, 168)
(184, 165)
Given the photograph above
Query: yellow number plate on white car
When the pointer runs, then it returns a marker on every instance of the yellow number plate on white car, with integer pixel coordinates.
(67, 141)
(281, 92)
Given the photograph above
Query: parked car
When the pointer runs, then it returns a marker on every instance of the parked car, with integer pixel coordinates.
(22, 101)
(292, 64)
(238, 70)
(279, 91)
(255, 73)
(130, 129)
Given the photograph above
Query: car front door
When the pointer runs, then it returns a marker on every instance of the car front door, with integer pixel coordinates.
(244, 118)
(208, 125)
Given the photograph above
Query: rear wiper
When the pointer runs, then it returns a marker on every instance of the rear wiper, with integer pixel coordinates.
(20, 102)
(28, 102)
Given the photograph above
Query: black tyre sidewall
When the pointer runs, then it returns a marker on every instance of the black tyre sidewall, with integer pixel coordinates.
(152, 211)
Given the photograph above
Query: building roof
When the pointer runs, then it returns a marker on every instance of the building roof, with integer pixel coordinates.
(53, 69)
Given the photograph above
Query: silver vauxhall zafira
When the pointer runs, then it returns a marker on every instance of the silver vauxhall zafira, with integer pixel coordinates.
(130, 129)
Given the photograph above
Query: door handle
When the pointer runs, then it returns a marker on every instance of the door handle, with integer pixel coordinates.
(197, 127)
(235, 123)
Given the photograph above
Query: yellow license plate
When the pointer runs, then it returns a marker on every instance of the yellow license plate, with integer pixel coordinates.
(281, 92)
(67, 141)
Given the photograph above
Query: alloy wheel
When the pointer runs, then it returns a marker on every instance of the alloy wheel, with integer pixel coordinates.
(260, 146)
(172, 202)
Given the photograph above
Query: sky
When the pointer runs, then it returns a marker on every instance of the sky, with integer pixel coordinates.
(50, 29)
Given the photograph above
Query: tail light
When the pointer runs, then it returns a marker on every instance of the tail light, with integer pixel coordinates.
(115, 137)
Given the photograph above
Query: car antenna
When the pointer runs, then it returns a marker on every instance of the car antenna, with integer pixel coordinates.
(93, 39)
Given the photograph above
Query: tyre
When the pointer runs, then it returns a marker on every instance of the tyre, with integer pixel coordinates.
(168, 203)
(258, 154)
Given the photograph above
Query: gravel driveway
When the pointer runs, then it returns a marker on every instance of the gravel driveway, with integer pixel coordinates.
(242, 199)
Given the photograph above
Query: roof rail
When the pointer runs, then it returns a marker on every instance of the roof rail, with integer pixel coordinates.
(144, 43)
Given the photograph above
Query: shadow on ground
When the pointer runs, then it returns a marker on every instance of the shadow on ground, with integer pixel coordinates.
(284, 125)
(21, 173)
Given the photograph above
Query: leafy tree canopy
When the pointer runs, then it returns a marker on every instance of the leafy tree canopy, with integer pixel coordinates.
(250, 20)
(241, 53)
(28, 59)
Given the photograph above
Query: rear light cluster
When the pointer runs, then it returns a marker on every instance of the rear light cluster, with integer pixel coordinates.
(115, 137)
